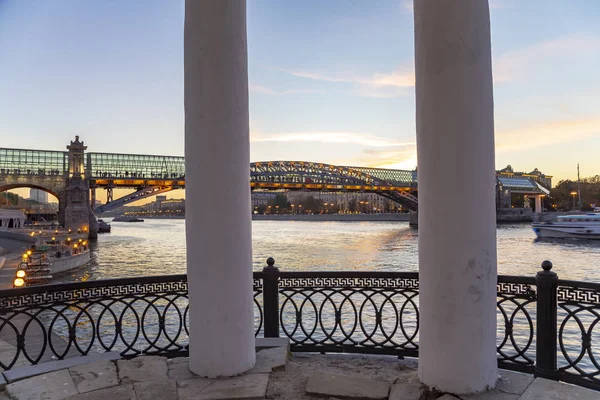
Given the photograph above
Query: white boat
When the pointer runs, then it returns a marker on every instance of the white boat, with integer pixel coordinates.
(581, 226)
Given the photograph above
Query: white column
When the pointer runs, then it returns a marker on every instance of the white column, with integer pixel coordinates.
(538, 203)
(457, 225)
(217, 157)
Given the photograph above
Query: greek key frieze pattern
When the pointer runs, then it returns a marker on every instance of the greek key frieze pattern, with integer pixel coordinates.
(54, 296)
(578, 295)
(343, 282)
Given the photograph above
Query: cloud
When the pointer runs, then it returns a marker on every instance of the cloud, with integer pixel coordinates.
(266, 90)
(261, 89)
(387, 84)
(516, 64)
(544, 134)
(407, 6)
(363, 139)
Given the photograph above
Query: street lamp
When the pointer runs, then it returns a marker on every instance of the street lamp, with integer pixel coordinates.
(573, 194)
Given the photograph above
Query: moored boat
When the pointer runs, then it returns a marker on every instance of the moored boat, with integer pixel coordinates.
(40, 263)
(127, 219)
(580, 226)
(103, 227)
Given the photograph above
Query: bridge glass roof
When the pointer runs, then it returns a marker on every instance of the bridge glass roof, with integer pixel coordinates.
(392, 176)
(519, 184)
(33, 162)
(107, 165)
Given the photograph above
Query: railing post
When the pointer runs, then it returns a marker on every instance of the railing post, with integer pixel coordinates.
(546, 332)
(271, 299)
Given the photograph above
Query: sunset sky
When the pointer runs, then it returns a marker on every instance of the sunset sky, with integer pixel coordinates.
(330, 81)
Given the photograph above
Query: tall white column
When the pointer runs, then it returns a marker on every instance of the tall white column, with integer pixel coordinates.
(457, 226)
(217, 157)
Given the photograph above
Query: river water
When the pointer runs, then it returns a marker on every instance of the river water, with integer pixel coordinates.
(157, 247)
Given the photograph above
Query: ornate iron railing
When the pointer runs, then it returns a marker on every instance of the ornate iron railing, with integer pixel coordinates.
(516, 300)
(578, 321)
(545, 326)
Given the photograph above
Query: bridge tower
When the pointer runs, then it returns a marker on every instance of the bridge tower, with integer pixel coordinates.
(77, 212)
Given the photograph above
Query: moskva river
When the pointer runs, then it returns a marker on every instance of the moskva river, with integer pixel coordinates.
(157, 247)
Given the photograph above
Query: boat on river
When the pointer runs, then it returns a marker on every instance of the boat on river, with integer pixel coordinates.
(124, 218)
(41, 263)
(580, 226)
(103, 227)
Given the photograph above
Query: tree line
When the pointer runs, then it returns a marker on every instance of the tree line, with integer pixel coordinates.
(561, 197)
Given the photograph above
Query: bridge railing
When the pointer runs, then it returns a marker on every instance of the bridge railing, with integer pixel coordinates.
(546, 326)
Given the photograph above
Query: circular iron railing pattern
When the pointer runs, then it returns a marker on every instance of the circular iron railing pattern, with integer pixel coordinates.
(516, 300)
(578, 320)
(364, 312)
(131, 316)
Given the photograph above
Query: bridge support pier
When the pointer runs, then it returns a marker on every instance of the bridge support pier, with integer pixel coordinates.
(217, 155)
(457, 250)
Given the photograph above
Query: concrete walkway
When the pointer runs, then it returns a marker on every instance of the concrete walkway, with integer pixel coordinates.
(276, 376)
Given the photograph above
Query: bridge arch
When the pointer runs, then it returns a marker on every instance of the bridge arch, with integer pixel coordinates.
(52, 192)
(303, 175)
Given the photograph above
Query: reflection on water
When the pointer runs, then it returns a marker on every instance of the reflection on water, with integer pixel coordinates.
(157, 247)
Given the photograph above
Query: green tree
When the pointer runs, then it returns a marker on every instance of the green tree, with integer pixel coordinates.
(312, 205)
(353, 206)
(279, 204)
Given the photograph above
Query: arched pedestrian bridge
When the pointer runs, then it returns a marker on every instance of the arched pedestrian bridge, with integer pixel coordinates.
(149, 175)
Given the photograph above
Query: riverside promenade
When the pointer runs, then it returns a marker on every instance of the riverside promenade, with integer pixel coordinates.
(276, 375)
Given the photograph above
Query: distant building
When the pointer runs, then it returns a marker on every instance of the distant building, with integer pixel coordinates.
(38, 195)
(262, 199)
(161, 198)
(536, 175)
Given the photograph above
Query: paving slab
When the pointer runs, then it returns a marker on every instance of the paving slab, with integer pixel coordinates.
(268, 360)
(17, 374)
(2, 382)
(267, 343)
(188, 389)
(141, 369)
(245, 387)
(156, 390)
(513, 382)
(345, 386)
(180, 371)
(178, 360)
(94, 376)
(406, 391)
(3, 396)
(491, 395)
(124, 392)
(545, 389)
(52, 386)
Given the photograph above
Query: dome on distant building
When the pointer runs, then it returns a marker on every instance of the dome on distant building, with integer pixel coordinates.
(535, 172)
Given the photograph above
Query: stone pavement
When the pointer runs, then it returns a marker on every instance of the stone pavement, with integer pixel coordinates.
(275, 376)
